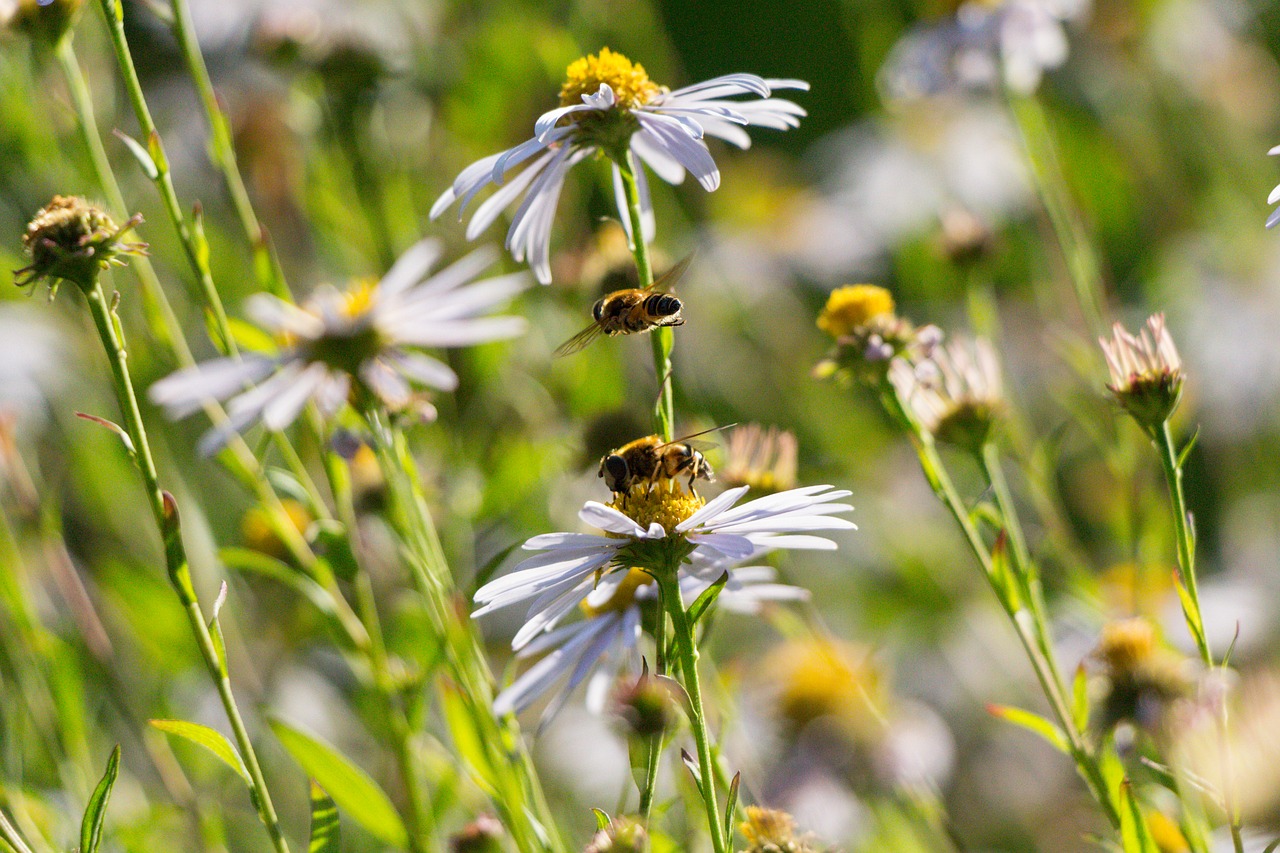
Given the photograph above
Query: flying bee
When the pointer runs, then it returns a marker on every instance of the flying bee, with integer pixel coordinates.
(631, 311)
(650, 458)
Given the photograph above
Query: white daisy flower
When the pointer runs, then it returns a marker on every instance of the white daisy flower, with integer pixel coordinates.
(575, 567)
(360, 342)
(609, 105)
(606, 643)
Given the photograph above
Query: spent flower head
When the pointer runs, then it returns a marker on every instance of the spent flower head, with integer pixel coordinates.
(868, 334)
(955, 393)
(609, 106)
(773, 831)
(1146, 372)
(359, 345)
(622, 835)
(72, 239)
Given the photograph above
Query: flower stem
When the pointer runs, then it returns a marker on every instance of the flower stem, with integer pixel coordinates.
(1046, 172)
(1031, 633)
(165, 510)
(223, 153)
(1186, 543)
(668, 582)
(518, 792)
(662, 338)
(197, 257)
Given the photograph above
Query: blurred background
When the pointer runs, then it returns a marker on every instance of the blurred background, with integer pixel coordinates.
(916, 169)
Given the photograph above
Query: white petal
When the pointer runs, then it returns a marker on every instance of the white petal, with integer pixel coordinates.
(424, 370)
(713, 508)
(648, 224)
(607, 518)
(461, 333)
(280, 316)
(687, 151)
(731, 546)
(568, 540)
(411, 267)
(284, 409)
(183, 392)
(729, 84)
(649, 149)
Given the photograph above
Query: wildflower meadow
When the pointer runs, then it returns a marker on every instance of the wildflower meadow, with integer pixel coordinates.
(653, 426)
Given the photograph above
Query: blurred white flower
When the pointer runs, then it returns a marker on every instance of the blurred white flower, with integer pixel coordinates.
(984, 46)
(362, 341)
(609, 105)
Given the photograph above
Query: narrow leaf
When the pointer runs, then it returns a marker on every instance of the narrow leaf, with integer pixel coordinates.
(1186, 448)
(326, 835)
(210, 739)
(156, 149)
(1032, 722)
(602, 819)
(215, 630)
(706, 599)
(1271, 848)
(1190, 611)
(114, 427)
(199, 242)
(351, 788)
(731, 808)
(1080, 699)
(1134, 832)
(140, 154)
(1002, 571)
(96, 811)
(466, 740)
(692, 765)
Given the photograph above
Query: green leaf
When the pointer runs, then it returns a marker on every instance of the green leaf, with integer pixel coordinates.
(156, 149)
(255, 562)
(140, 154)
(602, 819)
(706, 599)
(351, 788)
(1135, 835)
(249, 337)
(199, 242)
(1032, 722)
(215, 630)
(731, 807)
(326, 835)
(210, 739)
(1186, 448)
(1002, 571)
(466, 740)
(1080, 699)
(96, 811)
(1190, 611)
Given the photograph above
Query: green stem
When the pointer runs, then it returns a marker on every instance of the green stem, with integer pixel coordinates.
(1046, 172)
(220, 329)
(11, 836)
(419, 816)
(164, 509)
(657, 742)
(519, 794)
(1030, 634)
(223, 152)
(662, 339)
(687, 649)
(1186, 543)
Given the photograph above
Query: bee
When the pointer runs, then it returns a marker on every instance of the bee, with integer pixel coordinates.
(650, 458)
(630, 311)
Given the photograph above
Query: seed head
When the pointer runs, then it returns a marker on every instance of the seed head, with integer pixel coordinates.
(73, 240)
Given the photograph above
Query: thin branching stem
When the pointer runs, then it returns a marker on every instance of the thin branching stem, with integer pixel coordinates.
(165, 511)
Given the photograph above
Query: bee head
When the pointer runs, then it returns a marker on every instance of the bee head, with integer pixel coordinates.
(615, 472)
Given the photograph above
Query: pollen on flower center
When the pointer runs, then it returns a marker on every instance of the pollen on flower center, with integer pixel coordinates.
(666, 502)
(853, 306)
(630, 83)
(359, 298)
(622, 597)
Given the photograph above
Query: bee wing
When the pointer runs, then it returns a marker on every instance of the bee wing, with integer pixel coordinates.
(668, 279)
(578, 341)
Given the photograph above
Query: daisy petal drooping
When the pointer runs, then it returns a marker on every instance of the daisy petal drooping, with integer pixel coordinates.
(608, 105)
(359, 344)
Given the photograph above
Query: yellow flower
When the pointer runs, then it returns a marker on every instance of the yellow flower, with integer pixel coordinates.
(853, 307)
(823, 677)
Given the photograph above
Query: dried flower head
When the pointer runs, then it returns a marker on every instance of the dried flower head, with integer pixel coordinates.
(764, 460)
(868, 334)
(1146, 372)
(482, 835)
(955, 393)
(43, 21)
(1144, 678)
(73, 240)
(773, 831)
(622, 835)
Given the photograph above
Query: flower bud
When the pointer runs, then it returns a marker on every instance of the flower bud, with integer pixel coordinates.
(1146, 372)
(646, 706)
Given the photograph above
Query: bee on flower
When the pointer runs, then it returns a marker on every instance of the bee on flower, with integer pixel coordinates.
(610, 107)
(359, 345)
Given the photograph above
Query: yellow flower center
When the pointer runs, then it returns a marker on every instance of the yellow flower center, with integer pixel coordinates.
(852, 307)
(825, 678)
(665, 502)
(622, 597)
(1127, 645)
(359, 298)
(630, 83)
